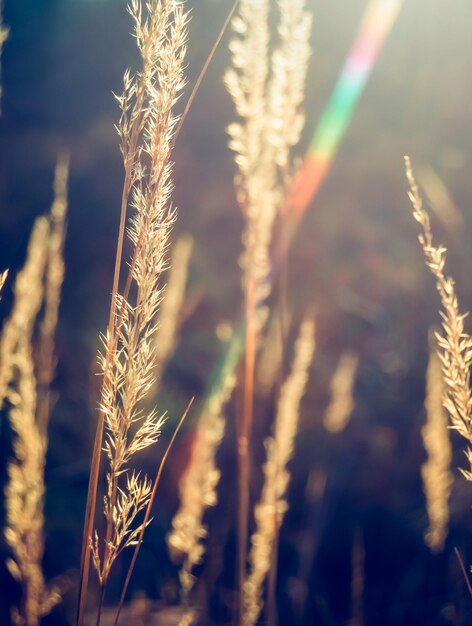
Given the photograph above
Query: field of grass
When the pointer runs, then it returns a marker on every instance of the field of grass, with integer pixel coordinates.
(221, 397)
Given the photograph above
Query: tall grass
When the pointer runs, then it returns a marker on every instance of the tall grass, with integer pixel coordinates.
(455, 344)
(27, 369)
(146, 128)
(436, 471)
(272, 505)
(3, 38)
(266, 83)
(198, 488)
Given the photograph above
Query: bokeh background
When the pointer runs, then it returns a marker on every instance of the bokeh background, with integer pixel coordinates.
(355, 261)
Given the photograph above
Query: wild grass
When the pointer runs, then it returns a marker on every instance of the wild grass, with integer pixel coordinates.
(146, 129)
(266, 84)
(3, 279)
(198, 488)
(436, 471)
(455, 344)
(27, 369)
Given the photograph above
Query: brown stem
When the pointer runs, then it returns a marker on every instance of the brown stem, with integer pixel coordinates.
(148, 511)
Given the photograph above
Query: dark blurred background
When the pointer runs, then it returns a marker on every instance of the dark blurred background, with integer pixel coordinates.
(355, 261)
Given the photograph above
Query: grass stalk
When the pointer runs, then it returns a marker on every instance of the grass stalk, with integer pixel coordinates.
(272, 504)
(341, 406)
(463, 571)
(97, 445)
(3, 37)
(26, 374)
(198, 485)
(455, 344)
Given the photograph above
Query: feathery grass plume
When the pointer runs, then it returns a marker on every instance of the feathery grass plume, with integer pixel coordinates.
(267, 90)
(340, 408)
(314, 494)
(198, 486)
(37, 287)
(168, 324)
(52, 291)
(455, 344)
(146, 130)
(271, 508)
(436, 471)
